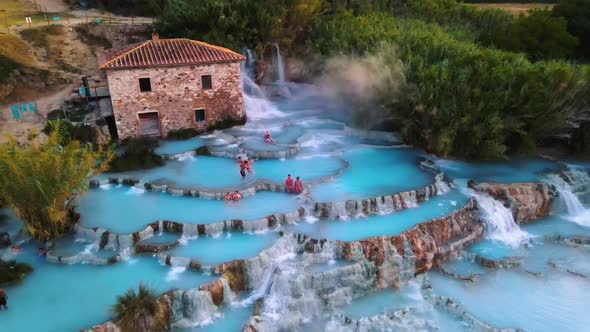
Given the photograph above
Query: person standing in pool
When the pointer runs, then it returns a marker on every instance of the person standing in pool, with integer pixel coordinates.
(243, 166)
(298, 186)
(3, 299)
(249, 166)
(289, 184)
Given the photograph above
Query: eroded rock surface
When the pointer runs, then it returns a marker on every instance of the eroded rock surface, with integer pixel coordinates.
(528, 201)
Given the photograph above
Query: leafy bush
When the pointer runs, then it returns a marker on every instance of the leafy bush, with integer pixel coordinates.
(238, 23)
(137, 311)
(228, 123)
(38, 181)
(79, 132)
(182, 134)
(12, 272)
(577, 15)
(538, 34)
(139, 154)
(459, 98)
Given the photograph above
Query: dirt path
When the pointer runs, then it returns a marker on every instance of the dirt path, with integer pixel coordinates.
(51, 6)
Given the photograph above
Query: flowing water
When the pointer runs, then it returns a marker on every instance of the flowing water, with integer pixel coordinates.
(297, 290)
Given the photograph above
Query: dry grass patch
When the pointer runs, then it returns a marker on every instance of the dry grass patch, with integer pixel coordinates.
(16, 11)
(513, 8)
(15, 49)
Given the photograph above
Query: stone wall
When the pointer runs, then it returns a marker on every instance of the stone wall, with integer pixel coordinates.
(176, 94)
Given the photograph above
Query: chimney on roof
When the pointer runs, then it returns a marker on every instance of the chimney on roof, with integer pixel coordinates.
(155, 36)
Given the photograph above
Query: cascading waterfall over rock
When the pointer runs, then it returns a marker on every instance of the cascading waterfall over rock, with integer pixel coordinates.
(442, 187)
(570, 203)
(280, 66)
(192, 308)
(500, 224)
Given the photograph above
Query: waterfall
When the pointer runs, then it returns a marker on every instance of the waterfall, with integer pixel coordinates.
(259, 226)
(190, 231)
(280, 66)
(385, 205)
(174, 273)
(338, 211)
(125, 254)
(248, 85)
(409, 199)
(441, 186)
(214, 229)
(228, 296)
(192, 308)
(569, 202)
(262, 289)
(499, 221)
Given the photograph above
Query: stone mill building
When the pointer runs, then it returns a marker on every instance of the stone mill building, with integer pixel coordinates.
(162, 85)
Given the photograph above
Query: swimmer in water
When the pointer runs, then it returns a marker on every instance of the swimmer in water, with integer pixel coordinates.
(236, 196)
(268, 138)
(249, 166)
(243, 166)
(228, 196)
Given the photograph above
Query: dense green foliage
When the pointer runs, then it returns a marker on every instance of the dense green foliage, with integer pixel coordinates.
(182, 134)
(139, 154)
(473, 82)
(39, 180)
(137, 312)
(460, 98)
(237, 23)
(12, 272)
(79, 132)
(539, 34)
(577, 15)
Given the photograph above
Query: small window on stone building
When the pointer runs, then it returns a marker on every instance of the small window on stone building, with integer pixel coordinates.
(145, 85)
(206, 82)
(200, 115)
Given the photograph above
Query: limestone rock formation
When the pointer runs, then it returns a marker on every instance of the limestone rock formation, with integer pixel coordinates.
(528, 201)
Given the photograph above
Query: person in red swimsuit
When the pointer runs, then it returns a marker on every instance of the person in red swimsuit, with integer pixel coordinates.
(289, 184)
(298, 186)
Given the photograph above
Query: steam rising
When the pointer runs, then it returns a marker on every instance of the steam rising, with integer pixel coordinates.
(363, 82)
(362, 79)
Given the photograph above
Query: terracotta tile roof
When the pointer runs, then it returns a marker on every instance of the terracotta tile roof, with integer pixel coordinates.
(167, 52)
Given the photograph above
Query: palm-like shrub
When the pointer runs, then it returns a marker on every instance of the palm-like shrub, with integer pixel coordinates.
(12, 272)
(137, 311)
(39, 180)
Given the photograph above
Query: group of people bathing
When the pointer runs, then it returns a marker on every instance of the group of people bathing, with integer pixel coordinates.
(246, 166)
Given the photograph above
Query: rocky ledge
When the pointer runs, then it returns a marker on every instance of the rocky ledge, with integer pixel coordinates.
(528, 201)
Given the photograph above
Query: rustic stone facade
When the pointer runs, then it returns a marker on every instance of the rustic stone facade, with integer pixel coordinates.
(176, 93)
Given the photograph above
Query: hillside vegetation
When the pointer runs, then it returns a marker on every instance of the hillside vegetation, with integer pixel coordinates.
(475, 83)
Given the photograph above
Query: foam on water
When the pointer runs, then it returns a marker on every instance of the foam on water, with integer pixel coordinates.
(571, 205)
(500, 224)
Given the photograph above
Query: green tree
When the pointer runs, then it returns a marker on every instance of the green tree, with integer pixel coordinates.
(39, 180)
(539, 34)
(577, 15)
(137, 312)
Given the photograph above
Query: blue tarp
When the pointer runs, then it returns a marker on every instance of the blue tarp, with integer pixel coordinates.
(14, 109)
(56, 18)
